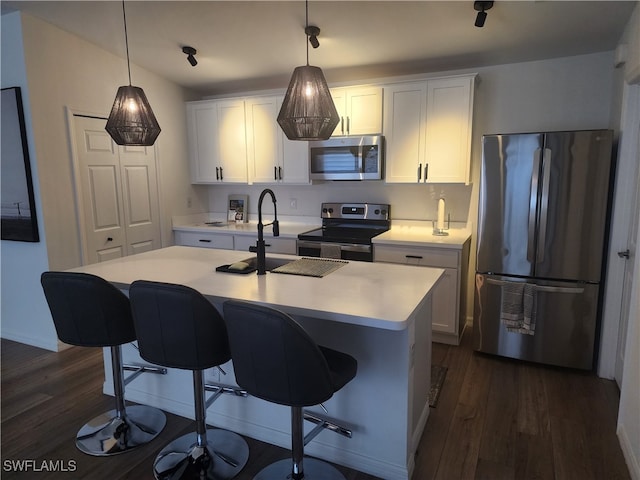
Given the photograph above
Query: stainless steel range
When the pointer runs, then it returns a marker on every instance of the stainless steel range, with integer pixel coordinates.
(346, 232)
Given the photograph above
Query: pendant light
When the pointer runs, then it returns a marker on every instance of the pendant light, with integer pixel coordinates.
(131, 121)
(308, 111)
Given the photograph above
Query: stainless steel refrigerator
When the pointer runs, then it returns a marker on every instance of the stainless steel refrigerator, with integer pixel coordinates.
(542, 227)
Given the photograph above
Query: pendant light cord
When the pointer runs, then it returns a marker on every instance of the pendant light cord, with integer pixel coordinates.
(306, 20)
(126, 41)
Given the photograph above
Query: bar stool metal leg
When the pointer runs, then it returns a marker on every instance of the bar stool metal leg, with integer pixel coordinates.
(120, 430)
(300, 467)
(203, 454)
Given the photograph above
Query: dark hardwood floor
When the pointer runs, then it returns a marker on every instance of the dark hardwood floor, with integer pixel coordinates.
(495, 419)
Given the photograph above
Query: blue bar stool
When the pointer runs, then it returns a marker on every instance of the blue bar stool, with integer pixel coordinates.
(276, 360)
(90, 312)
(177, 327)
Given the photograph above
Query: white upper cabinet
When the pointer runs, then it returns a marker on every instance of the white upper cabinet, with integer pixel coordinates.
(217, 141)
(405, 106)
(448, 135)
(360, 110)
(272, 157)
(427, 128)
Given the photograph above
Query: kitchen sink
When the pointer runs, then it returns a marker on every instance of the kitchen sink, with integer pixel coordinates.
(270, 263)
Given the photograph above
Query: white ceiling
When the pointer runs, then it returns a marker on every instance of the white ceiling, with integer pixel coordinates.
(252, 45)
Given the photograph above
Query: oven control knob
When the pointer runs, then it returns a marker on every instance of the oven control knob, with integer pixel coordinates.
(324, 210)
(384, 212)
(331, 210)
(377, 211)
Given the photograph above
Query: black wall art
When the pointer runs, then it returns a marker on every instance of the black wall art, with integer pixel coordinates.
(17, 205)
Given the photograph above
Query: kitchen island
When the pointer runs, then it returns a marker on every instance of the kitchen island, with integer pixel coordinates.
(378, 313)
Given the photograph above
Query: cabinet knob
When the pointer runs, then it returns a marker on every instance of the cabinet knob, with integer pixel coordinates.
(109, 239)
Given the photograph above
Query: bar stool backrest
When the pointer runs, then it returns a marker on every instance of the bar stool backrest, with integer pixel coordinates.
(274, 358)
(177, 326)
(87, 310)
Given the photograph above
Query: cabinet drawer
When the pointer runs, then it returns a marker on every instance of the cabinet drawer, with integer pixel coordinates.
(206, 240)
(273, 244)
(427, 257)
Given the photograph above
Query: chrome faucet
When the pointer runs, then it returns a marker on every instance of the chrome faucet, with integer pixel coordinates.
(260, 246)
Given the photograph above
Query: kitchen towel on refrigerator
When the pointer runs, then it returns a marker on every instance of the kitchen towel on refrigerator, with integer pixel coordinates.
(518, 307)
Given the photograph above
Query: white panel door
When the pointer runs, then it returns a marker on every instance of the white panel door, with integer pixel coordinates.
(118, 194)
(140, 198)
(99, 167)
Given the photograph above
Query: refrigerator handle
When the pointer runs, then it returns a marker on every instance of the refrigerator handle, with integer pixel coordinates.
(533, 206)
(544, 203)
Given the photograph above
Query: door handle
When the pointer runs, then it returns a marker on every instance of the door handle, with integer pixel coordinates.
(624, 254)
(533, 205)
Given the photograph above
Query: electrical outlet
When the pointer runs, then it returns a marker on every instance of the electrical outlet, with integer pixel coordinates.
(293, 203)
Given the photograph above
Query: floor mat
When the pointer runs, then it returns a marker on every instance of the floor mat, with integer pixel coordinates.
(438, 374)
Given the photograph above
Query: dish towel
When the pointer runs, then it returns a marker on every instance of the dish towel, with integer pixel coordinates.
(518, 307)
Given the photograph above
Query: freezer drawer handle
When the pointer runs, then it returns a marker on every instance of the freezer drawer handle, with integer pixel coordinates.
(540, 288)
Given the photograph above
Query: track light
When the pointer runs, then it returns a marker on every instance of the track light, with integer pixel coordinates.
(313, 32)
(481, 8)
(190, 52)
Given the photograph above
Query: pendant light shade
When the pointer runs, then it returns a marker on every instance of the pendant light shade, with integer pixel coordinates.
(131, 121)
(308, 111)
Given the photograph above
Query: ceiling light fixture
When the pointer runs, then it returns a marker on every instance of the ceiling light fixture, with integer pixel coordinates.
(308, 111)
(313, 32)
(190, 52)
(481, 8)
(131, 121)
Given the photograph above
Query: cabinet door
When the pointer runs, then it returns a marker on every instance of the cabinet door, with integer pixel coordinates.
(445, 303)
(263, 139)
(272, 157)
(360, 110)
(294, 160)
(448, 129)
(202, 125)
(364, 110)
(404, 120)
(232, 141)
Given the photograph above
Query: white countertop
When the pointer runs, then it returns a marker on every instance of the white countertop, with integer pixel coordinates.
(420, 234)
(403, 232)
(379, 295)
(288, 228)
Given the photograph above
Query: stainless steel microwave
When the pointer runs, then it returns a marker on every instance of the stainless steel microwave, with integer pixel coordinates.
(347, 158)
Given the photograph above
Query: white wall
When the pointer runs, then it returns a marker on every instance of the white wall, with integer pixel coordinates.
(629, 410)
(21, 262)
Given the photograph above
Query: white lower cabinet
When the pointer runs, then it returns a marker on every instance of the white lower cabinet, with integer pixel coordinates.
(449, 306)
(206, 240)
(229, 241)
(272, 245)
